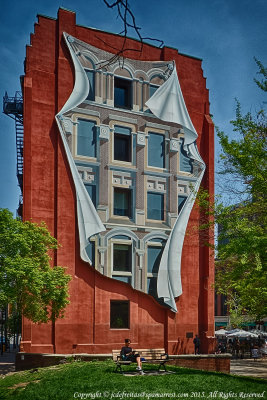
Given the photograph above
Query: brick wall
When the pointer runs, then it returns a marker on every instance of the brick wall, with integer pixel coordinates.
(210, 362)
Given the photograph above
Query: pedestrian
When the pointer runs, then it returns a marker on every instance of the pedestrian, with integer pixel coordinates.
(128, 354)
(196, 342)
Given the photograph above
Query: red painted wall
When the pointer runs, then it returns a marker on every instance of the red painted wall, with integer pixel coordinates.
(49, 195)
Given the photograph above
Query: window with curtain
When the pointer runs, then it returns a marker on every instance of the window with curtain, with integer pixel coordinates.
(86, 138)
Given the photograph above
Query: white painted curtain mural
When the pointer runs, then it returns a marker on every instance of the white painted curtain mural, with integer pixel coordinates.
(89, 223)
(168, 105)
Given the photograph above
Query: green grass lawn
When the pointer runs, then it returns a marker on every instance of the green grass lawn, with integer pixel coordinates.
(97, 380)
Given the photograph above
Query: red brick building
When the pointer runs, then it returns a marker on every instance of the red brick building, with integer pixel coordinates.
(137, 190)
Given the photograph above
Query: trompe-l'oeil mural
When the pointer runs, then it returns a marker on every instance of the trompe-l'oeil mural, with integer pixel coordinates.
(167, 104)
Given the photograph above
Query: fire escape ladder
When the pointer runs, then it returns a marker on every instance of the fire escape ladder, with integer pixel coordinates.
(19, 145)
(13, 108)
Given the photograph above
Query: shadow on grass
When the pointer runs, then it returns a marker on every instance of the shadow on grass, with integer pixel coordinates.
(181, 371)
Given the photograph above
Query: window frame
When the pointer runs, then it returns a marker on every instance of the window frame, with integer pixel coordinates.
(117, 135)
(182, 155)
(128, 316)
(155, 131)
(94, 187)
(92, 71)
(125, 274)
(152, 87)
(129, 85)
(96, 123)
(184, 197)
(130, 202)
(93, 243)
(164, 206)
(157, 244)
(116, 131)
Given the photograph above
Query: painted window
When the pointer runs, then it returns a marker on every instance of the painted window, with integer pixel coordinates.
(90, 250)
(119, 314)
(181, 201)
(91, 190)
(156, 150)
(185, 161)
(122, 93)
(122, 257)
(122, 144)
(91, 79)
(153, 258)
(155, 206)
(86, 138)
(154, 254)
(122, 202)
(152, 89)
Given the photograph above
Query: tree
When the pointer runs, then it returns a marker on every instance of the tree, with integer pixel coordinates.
(241, 268)
(27, 282)
(241, 272)
(127, 17)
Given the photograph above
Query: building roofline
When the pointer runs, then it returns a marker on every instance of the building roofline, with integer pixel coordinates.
(188, 55)
(120, 35)
(67, 9)
(46, 16)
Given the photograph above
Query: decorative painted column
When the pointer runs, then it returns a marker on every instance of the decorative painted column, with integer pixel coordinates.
(98, 87)
(110, 99)
(140, 282)
(145, 95)
(135, 97)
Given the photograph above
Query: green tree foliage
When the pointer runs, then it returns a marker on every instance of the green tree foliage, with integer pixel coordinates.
(27, 282)
(241, 272)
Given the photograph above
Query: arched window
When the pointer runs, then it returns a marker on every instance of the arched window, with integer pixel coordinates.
(154, 245)
(91, 79)
(122, 256)
(123, 96)
(155, 82)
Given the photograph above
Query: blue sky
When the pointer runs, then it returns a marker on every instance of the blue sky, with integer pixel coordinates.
(226, 34)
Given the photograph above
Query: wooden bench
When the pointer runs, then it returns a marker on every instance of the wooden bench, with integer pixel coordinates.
(152, 356)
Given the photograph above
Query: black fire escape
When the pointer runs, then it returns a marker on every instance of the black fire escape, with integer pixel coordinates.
(13, 107)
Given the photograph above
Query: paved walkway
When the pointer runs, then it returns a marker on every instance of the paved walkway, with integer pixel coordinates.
(246, 367)
(7, 362)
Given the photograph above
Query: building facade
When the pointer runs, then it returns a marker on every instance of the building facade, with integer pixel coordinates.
(115, 185)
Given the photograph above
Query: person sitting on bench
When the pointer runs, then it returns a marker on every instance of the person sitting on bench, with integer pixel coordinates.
(127, 354)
